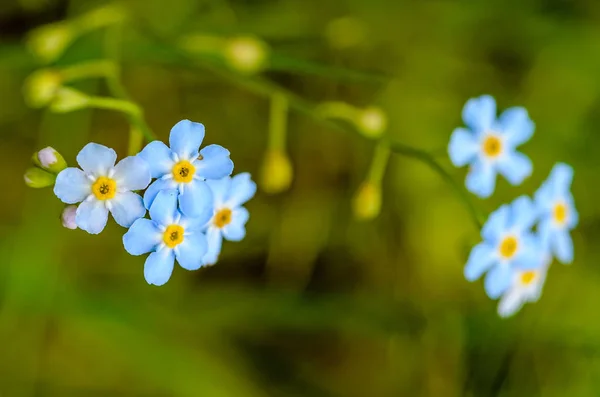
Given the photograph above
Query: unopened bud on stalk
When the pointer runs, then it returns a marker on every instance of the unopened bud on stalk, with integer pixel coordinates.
(367, 201)
(49, 42)
(68, 100)
(277, 172)
(371, 121)
(41, 87)
(50, 160)
(38, 178)
(246, 54)
(68, 217)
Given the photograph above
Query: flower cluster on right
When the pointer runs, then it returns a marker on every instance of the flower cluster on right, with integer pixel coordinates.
(519, 239)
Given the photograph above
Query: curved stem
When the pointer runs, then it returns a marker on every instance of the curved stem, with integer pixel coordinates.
(429, 160)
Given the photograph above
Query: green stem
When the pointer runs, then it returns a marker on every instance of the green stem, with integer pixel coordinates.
(430, 161)
(380, 161)
(100, 68)
(120, 105)
(278, 122)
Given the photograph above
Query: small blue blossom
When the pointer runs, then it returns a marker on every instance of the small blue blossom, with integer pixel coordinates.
(168, 236)
(101, 187)
(488, 145)
(229, 217)
(558, 215)
(185, 168)
(508, 245)
(526, 286)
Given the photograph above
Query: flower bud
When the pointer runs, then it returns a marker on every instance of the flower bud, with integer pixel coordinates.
(367, 201)
(372, 122)
(38, 178)
(68, 217)
(41, 87)
(246, 54)
(49, 42)
(277, 172)
(50, 160)
(68, 100)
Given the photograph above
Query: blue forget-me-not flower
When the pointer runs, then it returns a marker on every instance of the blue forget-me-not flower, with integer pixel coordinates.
(100, 187)
(184, 167)
(489, 144)
(229, 217)
(558, 215)
(167, 236)
(508, 244)
(526, 286)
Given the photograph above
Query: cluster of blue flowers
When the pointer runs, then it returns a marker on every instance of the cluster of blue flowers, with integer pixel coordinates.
(193, 203)
(520, 239)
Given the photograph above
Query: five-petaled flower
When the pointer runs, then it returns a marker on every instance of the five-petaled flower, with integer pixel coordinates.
(169, 235)
(508, 245)
(558, 215)
(185, 168)
(229, 217)
(526, 286)
(489, 145)
(102, 187)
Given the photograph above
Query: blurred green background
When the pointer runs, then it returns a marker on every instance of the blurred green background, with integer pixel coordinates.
(312, 302)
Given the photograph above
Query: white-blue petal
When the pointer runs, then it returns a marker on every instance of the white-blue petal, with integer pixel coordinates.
(159, 158)
(481, 179)
(545, 230)
(72, 186)
(479, 114)
(196, 201)
(215, 239)
(196, 223)
(516, 126)
(561, 178)
(126, 208)
(242, 190)
(142, 237)
(524, 214)
(531, 255)
(91, 216)
(215, 163)
(220, 189)
(463, 147)
(515, 167)
(545, 198)
(132, 173)
(481, 259)
(235, 230)
(563, 245)
(572, 214)
(186, 138)
(496, 224)
(191, 252)
(96, 159)
(155, 188)
(498, 280)
(164, 208)
(159, 267)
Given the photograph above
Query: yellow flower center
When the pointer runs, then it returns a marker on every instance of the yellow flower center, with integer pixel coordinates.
(492, 146)
(173, 236)
(508, 247)
(527, 277)
(222, 218)
(560, 213)
(104, 188)
(183, 172)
